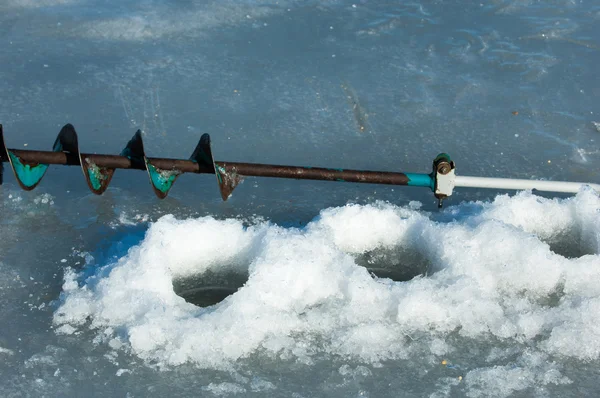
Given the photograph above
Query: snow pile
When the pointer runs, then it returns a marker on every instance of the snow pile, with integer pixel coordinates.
(495, 276)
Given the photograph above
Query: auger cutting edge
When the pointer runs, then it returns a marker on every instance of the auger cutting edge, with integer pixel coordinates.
(29, 167)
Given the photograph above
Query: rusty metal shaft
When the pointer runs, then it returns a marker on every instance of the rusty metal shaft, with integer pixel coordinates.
(189, 166)
(29, 167)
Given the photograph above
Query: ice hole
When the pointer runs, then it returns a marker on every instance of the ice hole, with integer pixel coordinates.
(568, 226)
(209, 288)
(571, 244)
(399, 264)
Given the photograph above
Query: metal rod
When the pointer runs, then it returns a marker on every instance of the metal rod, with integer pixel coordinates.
(509, 183)
(315, 173)
(189, 166)
(108, 161)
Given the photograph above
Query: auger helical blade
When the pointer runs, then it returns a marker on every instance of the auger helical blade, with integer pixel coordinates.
(97, 178)
(68, 142)
(162, 180)
(227, 177)
(134, 150)
(28, 174)
(203, 154)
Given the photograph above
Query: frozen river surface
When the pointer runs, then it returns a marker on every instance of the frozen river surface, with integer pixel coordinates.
(339, 289)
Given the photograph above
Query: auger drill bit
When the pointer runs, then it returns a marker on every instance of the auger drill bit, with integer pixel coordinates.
(29, 167)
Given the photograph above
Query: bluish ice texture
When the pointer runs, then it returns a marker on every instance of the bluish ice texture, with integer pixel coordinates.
(508, 301)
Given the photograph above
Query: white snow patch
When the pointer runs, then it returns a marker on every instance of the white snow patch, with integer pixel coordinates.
(258, 384)
(6, 351)
(530, 370)
(66, 329)
(221, 389)
(121, 372)
(497, 279)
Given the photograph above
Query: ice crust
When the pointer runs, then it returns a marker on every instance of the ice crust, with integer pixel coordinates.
(165, 20)
(493, 277)
(38, 3)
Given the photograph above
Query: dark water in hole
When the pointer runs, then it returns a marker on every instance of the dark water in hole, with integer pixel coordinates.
(207, 295)
(210, 288)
